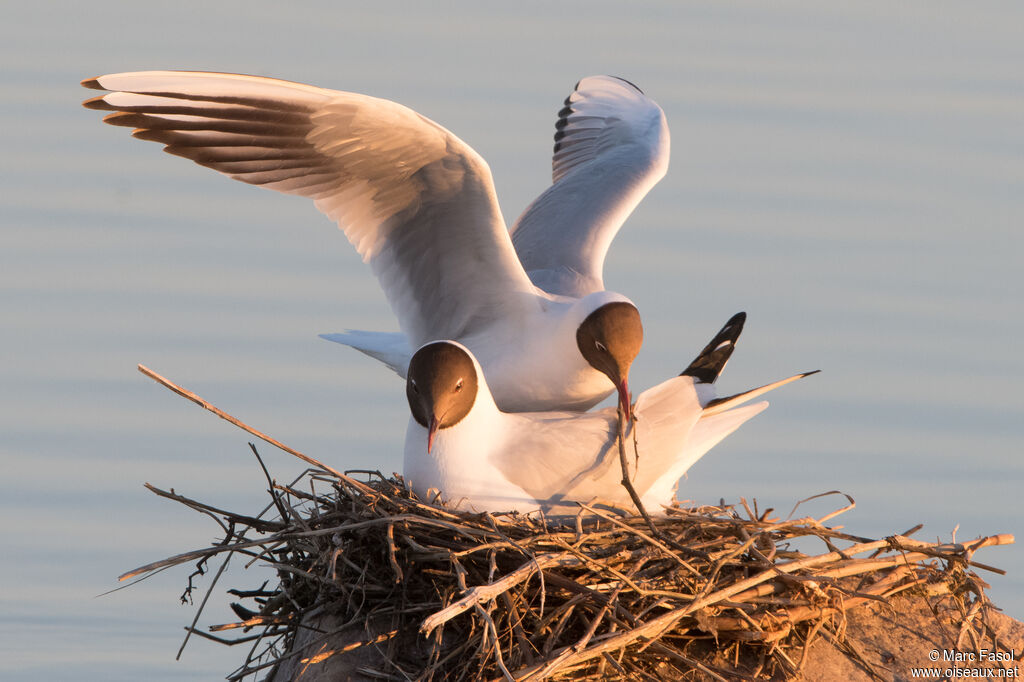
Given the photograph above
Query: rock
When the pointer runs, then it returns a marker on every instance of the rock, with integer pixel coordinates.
(896, 639)
(343, 667)
(892, 640)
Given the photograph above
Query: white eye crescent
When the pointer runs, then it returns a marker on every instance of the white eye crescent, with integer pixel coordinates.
(600, 346)
(458, 385)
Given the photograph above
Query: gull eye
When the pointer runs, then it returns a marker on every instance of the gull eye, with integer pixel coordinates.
(600, 346)
(415, 388)
(458, 385)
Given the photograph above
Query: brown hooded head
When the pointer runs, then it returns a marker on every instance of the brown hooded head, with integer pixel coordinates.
(441, 386)
(609, 339)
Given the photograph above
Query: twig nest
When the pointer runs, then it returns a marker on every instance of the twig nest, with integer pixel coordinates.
(372, 578)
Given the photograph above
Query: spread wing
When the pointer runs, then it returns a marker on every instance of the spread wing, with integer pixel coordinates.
(417, 202)
(611, 148)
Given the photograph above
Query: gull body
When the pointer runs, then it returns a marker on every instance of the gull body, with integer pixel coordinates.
(459, 444)
(419, 206)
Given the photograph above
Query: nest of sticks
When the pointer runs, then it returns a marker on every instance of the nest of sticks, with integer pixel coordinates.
(713, 592)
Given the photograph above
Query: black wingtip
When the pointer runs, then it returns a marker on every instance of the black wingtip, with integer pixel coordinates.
(97, 103)
(126, 119)
(629, 83)
(561, 122)
(92, 84)
(707, 366)
(151, 135)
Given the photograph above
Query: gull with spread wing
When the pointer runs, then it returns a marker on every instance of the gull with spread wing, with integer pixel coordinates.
(419, 206)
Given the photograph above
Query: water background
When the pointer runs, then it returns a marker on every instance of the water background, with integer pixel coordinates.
(851, 176)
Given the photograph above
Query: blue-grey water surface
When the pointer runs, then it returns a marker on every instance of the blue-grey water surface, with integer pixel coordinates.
(851, 175)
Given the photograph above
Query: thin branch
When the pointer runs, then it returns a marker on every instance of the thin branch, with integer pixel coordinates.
(362, 487)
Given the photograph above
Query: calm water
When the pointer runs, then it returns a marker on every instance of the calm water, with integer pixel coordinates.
(852, 178)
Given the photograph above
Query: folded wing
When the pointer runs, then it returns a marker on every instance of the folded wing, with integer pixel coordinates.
(560, 458)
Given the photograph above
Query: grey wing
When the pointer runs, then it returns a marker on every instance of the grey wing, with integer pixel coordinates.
(417, 203)
(560, 458)
(611, 148)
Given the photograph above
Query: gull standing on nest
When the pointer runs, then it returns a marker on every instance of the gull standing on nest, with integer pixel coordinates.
(477, 457)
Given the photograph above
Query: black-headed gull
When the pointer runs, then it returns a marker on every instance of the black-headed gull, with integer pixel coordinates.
(419, 206)
(479, 458)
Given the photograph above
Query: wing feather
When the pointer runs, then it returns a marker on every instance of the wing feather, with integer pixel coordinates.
(416, 201)
(611, 148)
(560, 457)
